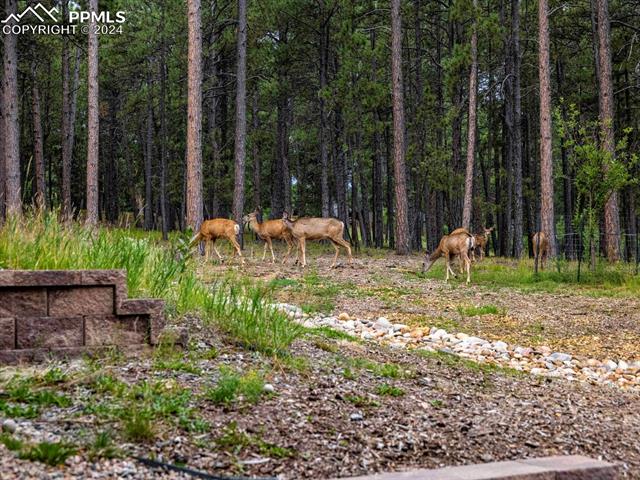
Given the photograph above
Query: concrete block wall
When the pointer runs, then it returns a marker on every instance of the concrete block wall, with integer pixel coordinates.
(46, 313)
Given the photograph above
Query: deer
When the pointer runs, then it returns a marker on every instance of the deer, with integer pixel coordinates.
(308, 228)
(270, 230)
(481, 243)
(458, 242)
(216, 228)
(540, 248)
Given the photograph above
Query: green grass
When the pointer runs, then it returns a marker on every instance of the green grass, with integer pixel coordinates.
(608, 280)
(232, 387)
(389, 390)
(138, 425)
(386, 370)
(50, 453)
(103, 446)
(239, 308)
(361, 401)
(474, 311)
(235, 440)
(455, 361)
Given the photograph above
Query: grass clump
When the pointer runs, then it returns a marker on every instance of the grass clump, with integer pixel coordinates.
(138, 425)
(475, 311)
(232, 387)
(235, 440)
(12, 443)
(361, 401)
(389, 390)
(50, 453)
(455, 361)
(103, 446)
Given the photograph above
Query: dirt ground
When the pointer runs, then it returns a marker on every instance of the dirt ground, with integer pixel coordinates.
(386, 285)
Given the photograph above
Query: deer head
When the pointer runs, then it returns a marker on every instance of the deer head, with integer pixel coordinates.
(286, 219)
(250, 216)
(427, 262)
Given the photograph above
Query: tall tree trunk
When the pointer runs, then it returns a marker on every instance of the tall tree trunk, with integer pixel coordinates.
(194, 119)
(11, 120)
(2, 152)
(324, 154)
(148, 163)
(257, 168)
(65, 127)
(241, 115)
(471, 130)
(38, 148)
(567, 181)
(605, 82)
(163, 133)
(93, 121)
(378, 162)
(517, 131)
(402, 220)
(547, 218)
(73, 106)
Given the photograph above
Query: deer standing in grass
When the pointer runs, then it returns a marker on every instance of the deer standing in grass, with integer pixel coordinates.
(457, 243)
(211, 230)
(481, 243)
(540, 248)
(270, 230)
(306, 228)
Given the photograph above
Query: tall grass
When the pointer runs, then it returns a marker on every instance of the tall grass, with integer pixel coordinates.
(239, 308)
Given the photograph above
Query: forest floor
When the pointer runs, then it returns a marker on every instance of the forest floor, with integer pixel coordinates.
(336, 406)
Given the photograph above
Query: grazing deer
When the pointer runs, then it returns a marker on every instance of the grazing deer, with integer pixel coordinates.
(481, 243)
(306, 228)
(458, 242)
(540, 248)
(211, 230)
(270, 230)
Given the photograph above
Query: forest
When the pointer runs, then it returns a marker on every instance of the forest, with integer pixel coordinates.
(404, 120)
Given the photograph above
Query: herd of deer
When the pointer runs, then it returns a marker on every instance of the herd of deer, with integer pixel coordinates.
(459, 243)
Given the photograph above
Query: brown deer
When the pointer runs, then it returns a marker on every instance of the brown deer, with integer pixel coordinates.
(306, 228)
(540, 248)
(481, 243)
(270, 230)
(211, 230)
(457, 243)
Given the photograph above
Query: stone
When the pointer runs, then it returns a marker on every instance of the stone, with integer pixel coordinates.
(356, 417)
(558, 357)
(438, 334)
(344, 316)
(46, 278)
(610, 365)
(7, 333)
(269, 388)
(400, 327)
(9, 426)
(382, 324)
(349, 325)
(461, 336)
(622, 365)
(500, 346)
(122, 330)
(23, 302)
(81, 301)
(49, 332)
(178, 336)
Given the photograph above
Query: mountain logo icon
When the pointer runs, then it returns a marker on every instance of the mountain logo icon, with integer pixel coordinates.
(39, 11)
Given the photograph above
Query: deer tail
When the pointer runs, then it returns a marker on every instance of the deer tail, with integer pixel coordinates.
(236, 228)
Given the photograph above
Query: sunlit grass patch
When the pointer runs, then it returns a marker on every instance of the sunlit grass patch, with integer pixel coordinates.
(233, 387)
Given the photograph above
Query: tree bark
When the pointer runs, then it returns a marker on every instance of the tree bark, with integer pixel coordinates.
(517, 131)
(66, 129)
(547, 218)
(148, 163)
(257, 167)
(611, 213)
(241, 115)
(401, 203)
(163, 133)
(38, 148)
(11, 119)
(194, 119)
(324, 154)
(471, 130)
(93, 121)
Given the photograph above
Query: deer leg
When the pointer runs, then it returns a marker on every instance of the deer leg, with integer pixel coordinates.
(335, 259)
(264, 251)
(467, 263)
(346, 245)
(207, 249)
(446, 261)
(236, 249)
(289, 246)
(213, 245)
(303, 250)
(273, 257)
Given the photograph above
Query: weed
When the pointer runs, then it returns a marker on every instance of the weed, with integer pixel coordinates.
(330, 333)
(348, 374)
(360, 401)
(437, 403)
(326, 346)
(231, 385)
(474, 311)
(389, 390)
(11, 442)
(51, 453)
(138, 425)
(235, 440)
(452, 360)
(103, 446)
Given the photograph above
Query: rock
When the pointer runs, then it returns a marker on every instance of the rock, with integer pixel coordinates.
(438, 334)
(622, 365)
(344, 316)
(400, 327)
(9, 426)
(366, 336)
(349, 325)
(538, 371)
(356, 417)
(461, 336)
(417, 333)
(500, 346)
(382, 324)
(558, 357)
(610, 365)
(522, 351)
(177, 336)
(269, 388)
